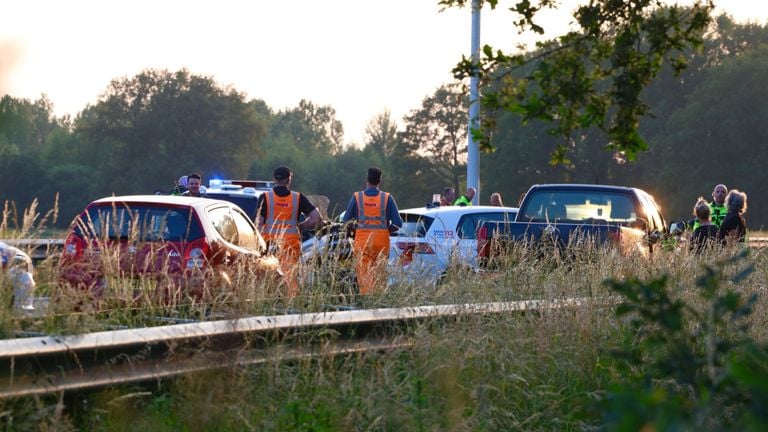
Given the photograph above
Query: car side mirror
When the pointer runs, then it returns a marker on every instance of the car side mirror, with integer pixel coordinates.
(676, 228)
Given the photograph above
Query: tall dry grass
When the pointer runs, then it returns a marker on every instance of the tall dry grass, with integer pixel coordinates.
(532, 371)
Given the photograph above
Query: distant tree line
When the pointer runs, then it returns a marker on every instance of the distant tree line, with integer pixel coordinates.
(709, 127)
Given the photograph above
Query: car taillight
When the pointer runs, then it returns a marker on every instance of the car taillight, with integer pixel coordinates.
(482, 233)
(410, 248)
(482, 242)
(74, 246)
(415, 247)
(195, 253)
(614, 237)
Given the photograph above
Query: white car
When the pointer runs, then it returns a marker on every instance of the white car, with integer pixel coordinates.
(433, 238)
(17, 267)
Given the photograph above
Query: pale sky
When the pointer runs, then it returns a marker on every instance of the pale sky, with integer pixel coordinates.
(358, 56)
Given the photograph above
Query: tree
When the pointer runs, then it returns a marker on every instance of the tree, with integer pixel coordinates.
(314, 129)
(25, 125)
(143, 125)
(381, 134)
(438, 131)
(593, 76)
(719, 136)
(25, 129)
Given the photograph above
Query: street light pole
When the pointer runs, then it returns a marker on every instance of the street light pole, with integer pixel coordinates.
(473, 153)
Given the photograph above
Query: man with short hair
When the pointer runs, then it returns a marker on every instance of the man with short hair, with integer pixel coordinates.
(194, 181)
(717, 208)
(278, 211)
(377, 215)
(466, 199)
(447, 197)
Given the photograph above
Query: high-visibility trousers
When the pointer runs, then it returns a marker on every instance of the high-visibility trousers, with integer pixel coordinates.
(372, 249)
(289, 253)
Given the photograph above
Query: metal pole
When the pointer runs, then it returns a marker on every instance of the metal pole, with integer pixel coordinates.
(473, 153)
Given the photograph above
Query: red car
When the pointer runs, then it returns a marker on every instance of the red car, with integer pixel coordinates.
(184, 243)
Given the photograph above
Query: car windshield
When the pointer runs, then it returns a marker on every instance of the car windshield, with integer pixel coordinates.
(414, 225)
(140, 223)
(245, 202)
(580, 206)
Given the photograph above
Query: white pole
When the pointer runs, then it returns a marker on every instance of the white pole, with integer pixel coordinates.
(473, 153)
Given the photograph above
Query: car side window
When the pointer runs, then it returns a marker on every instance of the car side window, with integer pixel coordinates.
(467, 227)
(247, 234)
(224, 223)
(468, 224)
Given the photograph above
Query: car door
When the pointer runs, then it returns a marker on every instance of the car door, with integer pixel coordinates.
(466, 246)
(237, 235)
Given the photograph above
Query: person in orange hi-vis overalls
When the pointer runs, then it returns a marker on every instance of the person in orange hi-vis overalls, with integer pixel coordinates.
(376, 215)
(279, 211)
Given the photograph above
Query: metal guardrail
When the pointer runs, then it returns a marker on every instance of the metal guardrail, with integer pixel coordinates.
(40, 365)
(38, 249)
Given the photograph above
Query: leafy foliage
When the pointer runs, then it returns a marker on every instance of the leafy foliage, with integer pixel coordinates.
(592, 76)
(688, 366)
(438, 131)
(148, 130)
(151, 121)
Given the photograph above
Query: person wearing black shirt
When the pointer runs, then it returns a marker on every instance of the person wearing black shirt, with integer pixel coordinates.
(278, 214)
(706, 233)
(734, 226)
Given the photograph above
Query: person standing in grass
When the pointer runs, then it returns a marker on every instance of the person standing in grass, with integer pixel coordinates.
(734, 227)
(278, 216)
(717, 209)
(706, 233)
(376, 215)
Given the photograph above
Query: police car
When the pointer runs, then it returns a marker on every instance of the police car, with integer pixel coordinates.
(434, 238)
(244, 193)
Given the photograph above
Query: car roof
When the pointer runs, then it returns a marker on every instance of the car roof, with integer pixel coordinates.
(590, 186)
(451, 210)
(160, 199)
(243, 193)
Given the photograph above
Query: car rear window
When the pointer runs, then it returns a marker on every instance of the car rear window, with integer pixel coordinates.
(141, 223)
(414, 225)
(579, 206)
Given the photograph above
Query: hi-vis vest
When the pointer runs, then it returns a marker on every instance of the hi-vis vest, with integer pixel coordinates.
(372, 211)
(282, 216)
(462, 201)
(717, 213)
